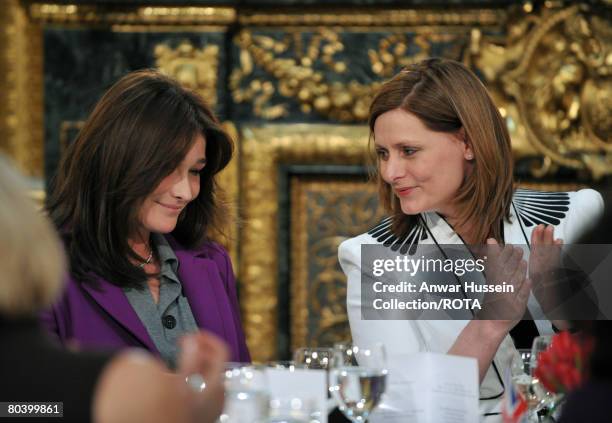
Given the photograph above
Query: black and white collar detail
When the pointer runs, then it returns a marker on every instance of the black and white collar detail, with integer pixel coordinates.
(536, 207)
(406, 244)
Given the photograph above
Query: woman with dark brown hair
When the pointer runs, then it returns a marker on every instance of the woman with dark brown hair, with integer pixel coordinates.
(445, 175)
(135, 199)
(89, 385)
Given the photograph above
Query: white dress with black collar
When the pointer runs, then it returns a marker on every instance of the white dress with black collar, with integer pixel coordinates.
(571, 213)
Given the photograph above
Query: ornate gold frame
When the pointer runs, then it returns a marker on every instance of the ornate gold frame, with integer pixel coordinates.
(49, 12)
(373, 17)
(317, 284)
(263, 150)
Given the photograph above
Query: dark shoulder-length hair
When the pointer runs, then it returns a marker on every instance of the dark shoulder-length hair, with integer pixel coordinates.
(448, 97)
(138, 133)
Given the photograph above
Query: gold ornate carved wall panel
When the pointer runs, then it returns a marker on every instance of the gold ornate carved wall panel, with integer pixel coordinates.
(329, 65)
(553, 78)
(547, 67)
(323, 214)
(304, 66)
(264, 149)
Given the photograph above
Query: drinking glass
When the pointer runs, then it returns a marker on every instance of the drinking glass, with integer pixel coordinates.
(313, 358)
(247, 398)
(550, 400)
(357, 379)
(538, 399)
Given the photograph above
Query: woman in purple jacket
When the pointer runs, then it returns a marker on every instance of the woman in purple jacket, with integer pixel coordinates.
(135, 200)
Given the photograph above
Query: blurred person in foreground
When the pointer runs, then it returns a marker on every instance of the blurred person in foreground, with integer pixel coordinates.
(445, 175)
(135, 201)
(588, 402)
(130, 386)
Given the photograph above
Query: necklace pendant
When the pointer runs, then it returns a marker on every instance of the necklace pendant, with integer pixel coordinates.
(147, 261)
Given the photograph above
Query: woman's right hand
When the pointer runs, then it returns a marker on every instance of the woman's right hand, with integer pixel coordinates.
(203, 354)
(505, 264)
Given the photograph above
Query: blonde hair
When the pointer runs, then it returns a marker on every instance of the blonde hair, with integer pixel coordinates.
(31, 255)
(448, 97)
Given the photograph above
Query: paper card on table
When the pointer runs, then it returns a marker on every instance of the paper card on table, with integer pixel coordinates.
(430, 388)
(308, 385)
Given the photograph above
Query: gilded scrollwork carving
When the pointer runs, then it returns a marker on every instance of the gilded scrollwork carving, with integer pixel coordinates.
(307, 70)
(194, 68)
(393, 51)
(554, 78)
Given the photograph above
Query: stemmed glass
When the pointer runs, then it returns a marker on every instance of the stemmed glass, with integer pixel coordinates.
(540, 344)
(357, 379)
(550, 401)
(531, 389)
(528, 387)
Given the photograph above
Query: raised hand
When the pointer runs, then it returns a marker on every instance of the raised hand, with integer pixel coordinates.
(544, 266)
(505, 264)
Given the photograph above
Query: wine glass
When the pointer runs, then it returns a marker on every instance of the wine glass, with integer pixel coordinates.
(540, 344)
(539, 400)
(550, 400)
(357, 379)
(313, 358)
(247, 397)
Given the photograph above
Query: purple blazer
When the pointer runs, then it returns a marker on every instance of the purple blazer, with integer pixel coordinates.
(100, 315)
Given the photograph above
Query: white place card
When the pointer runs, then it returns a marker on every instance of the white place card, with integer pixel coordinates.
(309, 386)
(430, 388)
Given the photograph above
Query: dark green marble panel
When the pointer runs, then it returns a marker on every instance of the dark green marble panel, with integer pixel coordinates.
(80, 64)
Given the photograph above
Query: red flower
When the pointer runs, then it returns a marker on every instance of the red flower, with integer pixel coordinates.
(561, 367)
